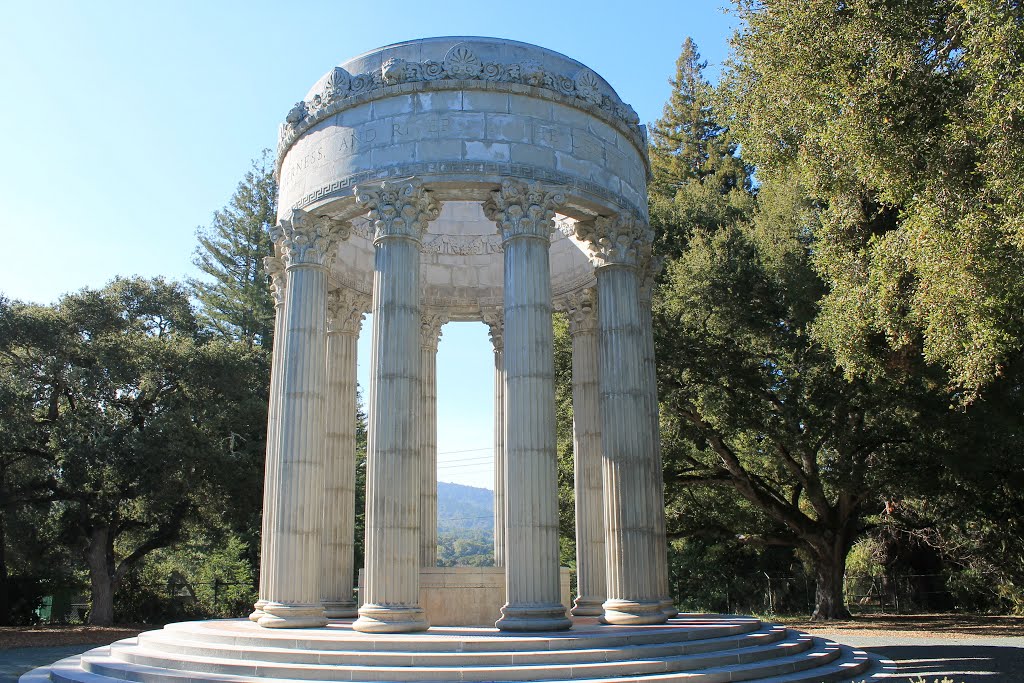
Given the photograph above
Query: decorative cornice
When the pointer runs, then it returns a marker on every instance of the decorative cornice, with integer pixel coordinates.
(398, 208)
(581, 309)
(494, 318)
(274, 268)
(476, 171)
(346, 309)
(619, 240)
(431, 323)
(524, 209)
(460, 68)
(303, 239)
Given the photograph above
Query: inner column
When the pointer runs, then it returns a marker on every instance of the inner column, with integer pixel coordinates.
(495, 320)
(581, 310)
(430, 336)
(399, 212)
(631, 527)
(523, 214)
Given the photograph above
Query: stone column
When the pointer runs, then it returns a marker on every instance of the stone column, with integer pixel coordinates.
(307, 246)
(399, 211)
(524, 214)
(495, 321)
(651, 268)
(275, 270)
(430, 336)
(634, 595)
(586, 441)
(345, 311)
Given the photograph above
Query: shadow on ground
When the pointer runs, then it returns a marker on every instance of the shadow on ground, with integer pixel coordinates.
(961, 663)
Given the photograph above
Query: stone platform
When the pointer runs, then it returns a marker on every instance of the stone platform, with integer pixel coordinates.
(705, 648)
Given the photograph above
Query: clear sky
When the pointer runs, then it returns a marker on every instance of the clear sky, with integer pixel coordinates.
(126, 124)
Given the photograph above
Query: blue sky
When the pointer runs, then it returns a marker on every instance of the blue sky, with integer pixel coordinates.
(126, 124)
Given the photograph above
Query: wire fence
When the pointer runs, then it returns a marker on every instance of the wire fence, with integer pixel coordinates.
(762, 593)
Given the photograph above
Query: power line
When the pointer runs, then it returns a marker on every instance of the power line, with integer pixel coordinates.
(468, 450)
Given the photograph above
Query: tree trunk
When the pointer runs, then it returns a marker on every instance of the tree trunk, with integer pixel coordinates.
(830, 567)
(99, 554)
(5, 603)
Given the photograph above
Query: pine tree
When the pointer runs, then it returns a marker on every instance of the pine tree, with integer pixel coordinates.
(688, 143)
(235, 301)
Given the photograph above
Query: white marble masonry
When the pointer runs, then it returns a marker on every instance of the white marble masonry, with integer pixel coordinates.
(275, 271)
(523, 213)
(307, 245)
(581, 309)
(430, 336)
(495, 321)
(399, 211)
(634, 594)
(345, 311)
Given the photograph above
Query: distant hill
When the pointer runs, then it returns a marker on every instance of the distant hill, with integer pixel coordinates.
(465, 525)
(464, 508)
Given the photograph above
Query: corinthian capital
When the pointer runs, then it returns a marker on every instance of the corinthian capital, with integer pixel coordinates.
(274, 268)
(521, 208)
(650, 269)
(430, 327)
(581, 310)
(303, 239)
(397, 208)
(345, 310)
(619, 240)
(494, 318)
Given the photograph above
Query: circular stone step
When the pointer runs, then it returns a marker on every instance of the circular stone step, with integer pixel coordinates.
(692, 648)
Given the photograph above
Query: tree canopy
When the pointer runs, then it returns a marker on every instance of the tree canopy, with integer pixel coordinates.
(905, 122)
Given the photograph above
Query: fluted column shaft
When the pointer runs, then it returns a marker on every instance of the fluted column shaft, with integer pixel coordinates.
(523, 214)
(345, 310)
(293, 582)
(658, 479)
(495, 321)
(586, 432)
(275, 269)
(430, 331)
(617, 245)
(399, 211)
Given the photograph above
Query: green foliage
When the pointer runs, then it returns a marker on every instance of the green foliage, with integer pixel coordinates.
(699, 181)
(132, 417)
(235, 301)
(905, 122)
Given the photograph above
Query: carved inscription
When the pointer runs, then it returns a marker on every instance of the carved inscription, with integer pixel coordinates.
(354, 140)
(421, 127)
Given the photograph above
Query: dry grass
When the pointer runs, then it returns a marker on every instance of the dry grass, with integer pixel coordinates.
(924, 625)
(56, 636)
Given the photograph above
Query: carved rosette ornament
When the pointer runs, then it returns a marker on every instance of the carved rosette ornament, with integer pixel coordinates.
(524, 209)
(494, 318)
(431, 323)
(581, 310)
(398, 208)
(619, 240)
(274, 268)
(303, 239)
(345, 310)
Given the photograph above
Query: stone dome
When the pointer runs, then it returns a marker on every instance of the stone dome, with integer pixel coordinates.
(463, 114)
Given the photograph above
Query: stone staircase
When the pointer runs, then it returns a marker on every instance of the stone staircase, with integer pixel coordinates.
(693, 648)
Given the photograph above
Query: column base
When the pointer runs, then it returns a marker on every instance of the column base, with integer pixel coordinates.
(336, 609)
(533, 617)
(281, 615)
(628, 612)
(588, 607)
(377, 619)
(669, 608)
(258, 611)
